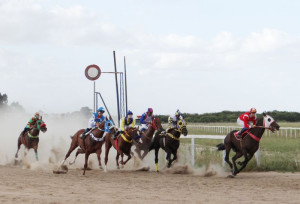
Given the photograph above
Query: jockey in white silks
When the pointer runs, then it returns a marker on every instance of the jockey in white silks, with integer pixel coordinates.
(173, 119)
(147, 119)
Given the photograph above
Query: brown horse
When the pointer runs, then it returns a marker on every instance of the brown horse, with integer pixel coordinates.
(30, 139)
(93, 142)
(122, 144)
(147, 138)
(249, 143)
(168, 141)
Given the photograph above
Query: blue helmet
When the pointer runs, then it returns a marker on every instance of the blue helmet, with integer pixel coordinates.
(101, 109)
(129, 113)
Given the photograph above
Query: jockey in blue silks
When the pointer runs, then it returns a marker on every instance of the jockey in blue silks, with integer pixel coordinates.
(97, 117)
(147, 119)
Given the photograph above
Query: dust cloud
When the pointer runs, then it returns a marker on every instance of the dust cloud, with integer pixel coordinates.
(54, 144)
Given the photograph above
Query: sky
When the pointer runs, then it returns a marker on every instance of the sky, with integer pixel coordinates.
(195, 56)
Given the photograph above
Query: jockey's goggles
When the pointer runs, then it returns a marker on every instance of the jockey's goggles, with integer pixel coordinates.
(129, 116)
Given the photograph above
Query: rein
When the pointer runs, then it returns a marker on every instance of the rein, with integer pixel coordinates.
(31, 136)
(172, 136)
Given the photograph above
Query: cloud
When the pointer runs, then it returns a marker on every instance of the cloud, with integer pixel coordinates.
(267, 41)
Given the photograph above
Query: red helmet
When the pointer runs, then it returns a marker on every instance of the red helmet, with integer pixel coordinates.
(150, 110)
(252, 110)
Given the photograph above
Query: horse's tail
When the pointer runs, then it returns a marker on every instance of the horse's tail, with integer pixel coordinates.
(220, 147)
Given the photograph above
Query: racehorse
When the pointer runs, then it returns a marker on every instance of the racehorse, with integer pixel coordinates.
(93, 142)
(249, 143)
(147, 138)
(169, 141)
(30, 139)
(122, 144)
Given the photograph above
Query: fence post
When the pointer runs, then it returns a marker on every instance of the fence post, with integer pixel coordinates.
(257, 156)
(193, 151)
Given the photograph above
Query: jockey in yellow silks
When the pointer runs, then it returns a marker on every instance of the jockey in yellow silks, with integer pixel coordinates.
(127, 121)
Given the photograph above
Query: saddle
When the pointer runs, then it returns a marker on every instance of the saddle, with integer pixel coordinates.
(242, 136)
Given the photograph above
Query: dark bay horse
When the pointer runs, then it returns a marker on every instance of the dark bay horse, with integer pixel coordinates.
(30, 139)
(168, 141)
(93, 142)
(122, 144)
(147, 138)
(249, 143)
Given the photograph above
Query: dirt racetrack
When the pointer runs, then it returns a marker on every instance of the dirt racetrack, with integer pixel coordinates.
(19, 185)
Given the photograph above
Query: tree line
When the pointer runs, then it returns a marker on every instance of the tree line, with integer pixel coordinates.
(231, 116)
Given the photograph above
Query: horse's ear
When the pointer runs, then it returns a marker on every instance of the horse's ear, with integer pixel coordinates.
(264, 114)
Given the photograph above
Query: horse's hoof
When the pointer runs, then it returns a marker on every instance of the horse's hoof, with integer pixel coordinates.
(240, 163)
(118, 167)
(100, 167)
(230, 176)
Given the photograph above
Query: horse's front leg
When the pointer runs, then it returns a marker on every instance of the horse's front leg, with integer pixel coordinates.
(19, 145)
(245, 162)
(128, 158)
(138, 152)
(174, 158)
(98, 152)
(156, 159)
(87, 154)
(117, 160)
(36, 154)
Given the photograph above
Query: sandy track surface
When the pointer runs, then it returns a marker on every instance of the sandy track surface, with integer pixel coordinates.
(19, 185)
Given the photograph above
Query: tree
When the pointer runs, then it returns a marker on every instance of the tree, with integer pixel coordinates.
(3, 99)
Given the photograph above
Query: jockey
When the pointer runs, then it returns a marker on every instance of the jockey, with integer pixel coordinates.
(96, 118)
(247, 120)
(147, 119)
(125, 122)
(173, 119)
(31, 122)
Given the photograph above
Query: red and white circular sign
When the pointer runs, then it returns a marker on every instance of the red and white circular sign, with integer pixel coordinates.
(92, 72)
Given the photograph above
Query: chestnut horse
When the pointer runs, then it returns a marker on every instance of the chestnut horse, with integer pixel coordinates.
(168, 141)
(249, 143)
(30, 139)
(147, 138)
(93, 142)
(122, 144)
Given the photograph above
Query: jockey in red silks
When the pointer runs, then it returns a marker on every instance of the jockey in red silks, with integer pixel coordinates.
(247, 120)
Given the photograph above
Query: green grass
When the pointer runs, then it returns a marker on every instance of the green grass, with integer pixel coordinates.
(277, 154)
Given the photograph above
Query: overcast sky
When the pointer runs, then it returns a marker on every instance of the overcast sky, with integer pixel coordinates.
(198, 56)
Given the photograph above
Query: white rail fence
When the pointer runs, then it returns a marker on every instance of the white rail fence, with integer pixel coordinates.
(197, 131)
(283, 131)
(193, 137)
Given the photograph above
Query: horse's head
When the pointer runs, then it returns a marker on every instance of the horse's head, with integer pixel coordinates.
(132, 132)
(40, 125)
(101, 125)
(270, 123)
(110, 127)
(156, 124)
(181, 126)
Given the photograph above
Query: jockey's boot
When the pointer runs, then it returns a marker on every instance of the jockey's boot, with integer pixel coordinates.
(240, 133)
